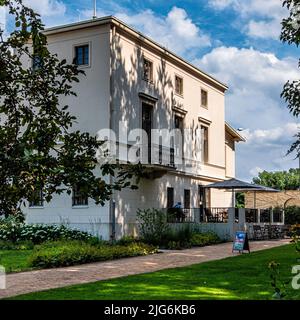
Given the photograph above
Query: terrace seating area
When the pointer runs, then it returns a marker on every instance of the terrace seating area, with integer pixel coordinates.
(261, 224)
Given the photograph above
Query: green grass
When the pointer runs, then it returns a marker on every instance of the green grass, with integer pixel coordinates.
(242, 277)
(15, 260)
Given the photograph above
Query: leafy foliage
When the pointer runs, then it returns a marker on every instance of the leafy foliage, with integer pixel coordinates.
(152, 225)
(39, 149)
(154, 229)
(21, 245)
(15, 232)
(67, 253)
(277, 283)
(204, 239)
(290, 34)
(280, 180)
(240, 200)
(292, 215)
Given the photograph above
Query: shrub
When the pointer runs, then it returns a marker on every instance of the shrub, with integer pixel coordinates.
(292, 215)
(153, 225)
(21, 245)
(62, 253)
(10, 229)
(178, 238)
(126, 240)
(15, 231)
(204, 239)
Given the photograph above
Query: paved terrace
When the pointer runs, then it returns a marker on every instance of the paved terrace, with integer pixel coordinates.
(32, 281)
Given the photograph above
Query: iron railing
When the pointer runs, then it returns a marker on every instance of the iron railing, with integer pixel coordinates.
(216, 215)
(197, 215)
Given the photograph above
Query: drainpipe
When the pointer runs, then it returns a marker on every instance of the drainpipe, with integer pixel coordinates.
(112, 202)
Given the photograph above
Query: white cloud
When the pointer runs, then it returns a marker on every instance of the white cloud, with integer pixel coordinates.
(47, 8)
(255, 81)
(269, 8)
(255, 171)
(221, 4)
(275, 136)
(263, 17)
(247, 69)
(176, 31)
(264, 29)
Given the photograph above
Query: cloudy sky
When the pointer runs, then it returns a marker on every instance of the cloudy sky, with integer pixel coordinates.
(237, 41)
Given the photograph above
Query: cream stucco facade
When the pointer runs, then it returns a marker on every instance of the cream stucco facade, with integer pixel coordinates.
(113, 94)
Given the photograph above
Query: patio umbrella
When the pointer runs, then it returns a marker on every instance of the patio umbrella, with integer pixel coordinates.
(238, 185)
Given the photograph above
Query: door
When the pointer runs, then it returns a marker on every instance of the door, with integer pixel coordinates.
(147, 126)
(202, 202)
(170, 198)
(187, 199)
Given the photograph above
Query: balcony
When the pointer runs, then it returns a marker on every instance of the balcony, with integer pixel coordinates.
(157, 160)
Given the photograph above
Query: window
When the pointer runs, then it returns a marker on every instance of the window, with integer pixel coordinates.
(178, 85)
(179, 136)
(170, 197)
(148, 71)
(37, 198)
(187, 199)
(204, 98)
(147, 127)
(204, 144)
(78, 198)
(82, 55)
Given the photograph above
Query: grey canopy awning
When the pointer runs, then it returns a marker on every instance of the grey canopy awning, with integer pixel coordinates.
(235, 184)
(242, 186)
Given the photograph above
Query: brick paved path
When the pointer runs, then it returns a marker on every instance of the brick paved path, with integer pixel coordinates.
(31, 281)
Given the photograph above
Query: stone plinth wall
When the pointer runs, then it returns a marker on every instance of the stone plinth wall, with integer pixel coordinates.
(272, 199)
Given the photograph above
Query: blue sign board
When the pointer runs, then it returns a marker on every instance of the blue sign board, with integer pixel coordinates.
(241, 242)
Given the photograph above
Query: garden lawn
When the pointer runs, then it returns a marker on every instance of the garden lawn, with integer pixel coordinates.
(15, 260)
(242, 277)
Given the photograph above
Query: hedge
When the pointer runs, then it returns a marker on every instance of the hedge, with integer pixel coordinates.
(62, 253)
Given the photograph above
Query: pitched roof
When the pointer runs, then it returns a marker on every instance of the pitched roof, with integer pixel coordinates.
(234, 133)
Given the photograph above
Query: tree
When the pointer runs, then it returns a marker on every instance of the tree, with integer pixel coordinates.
(38, 148)
(290, 34)
(281, 180)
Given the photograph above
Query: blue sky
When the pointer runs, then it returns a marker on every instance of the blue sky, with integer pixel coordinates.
(237, 41)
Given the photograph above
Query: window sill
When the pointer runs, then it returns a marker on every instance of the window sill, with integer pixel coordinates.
(80, 207)
(179, 95)
(83, 66)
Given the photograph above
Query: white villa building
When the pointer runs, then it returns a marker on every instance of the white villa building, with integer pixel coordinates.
(133, 82)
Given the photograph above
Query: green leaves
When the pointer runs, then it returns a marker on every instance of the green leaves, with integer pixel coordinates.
(290, 33)
(37, 145)
(281, 180)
